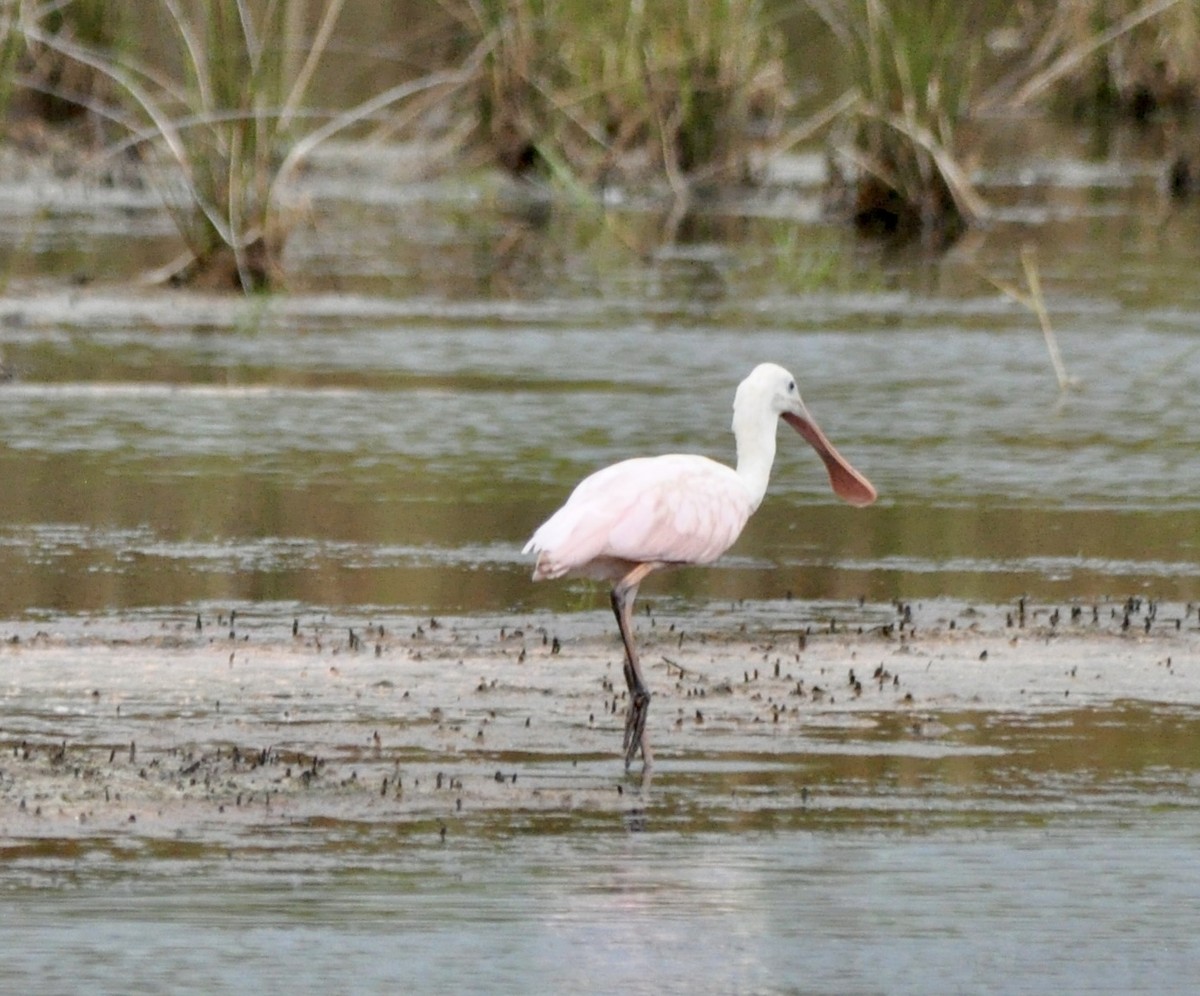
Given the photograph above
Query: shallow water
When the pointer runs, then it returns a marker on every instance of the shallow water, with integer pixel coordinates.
(1013, 855)
(450, 359)
(995, 910)
(396, 441)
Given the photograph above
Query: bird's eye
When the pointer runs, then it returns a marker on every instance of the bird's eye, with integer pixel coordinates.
(791, 387)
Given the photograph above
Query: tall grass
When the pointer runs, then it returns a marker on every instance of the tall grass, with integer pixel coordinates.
(64, 88)
(12, 45)
(232, 129)
(913, 64)
(214, 125)
(595, 91)
(223, 123)
(1134, 57)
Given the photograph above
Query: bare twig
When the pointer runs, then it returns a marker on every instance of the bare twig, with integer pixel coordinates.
(1029, 264)
(1034, 301)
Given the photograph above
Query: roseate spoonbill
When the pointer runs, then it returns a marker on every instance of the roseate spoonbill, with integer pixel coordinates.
(639, 515)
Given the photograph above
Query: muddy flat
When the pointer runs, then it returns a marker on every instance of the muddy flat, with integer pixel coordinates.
(149, 726)
(846, 798)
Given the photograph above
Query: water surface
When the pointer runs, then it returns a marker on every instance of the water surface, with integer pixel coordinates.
(176, 448)
(1011, 855)
(450, 359)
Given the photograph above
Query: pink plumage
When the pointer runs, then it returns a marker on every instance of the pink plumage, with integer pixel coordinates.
(675, 509)
(625, 521)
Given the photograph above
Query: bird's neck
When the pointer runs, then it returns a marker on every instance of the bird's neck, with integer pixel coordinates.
(755, 437)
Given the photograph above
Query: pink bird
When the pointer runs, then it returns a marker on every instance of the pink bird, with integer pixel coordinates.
(639, 515)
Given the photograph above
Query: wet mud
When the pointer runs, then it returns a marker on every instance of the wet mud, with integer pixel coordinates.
(225, 729)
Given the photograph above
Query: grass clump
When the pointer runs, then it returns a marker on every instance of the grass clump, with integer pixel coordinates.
(213, 124)
(229, 135)
(897, 160)
(221, 119)
(627, 92)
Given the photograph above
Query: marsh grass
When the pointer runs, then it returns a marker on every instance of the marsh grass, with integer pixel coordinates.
(913, 66)
(223, 123)
(12, 45)
(236, 93)
(60, 89)
(1131, 57)
(626, 92)
(230, 128)
(213, 126)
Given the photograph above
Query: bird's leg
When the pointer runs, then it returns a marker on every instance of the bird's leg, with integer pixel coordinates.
(623, 595)
(639, 694)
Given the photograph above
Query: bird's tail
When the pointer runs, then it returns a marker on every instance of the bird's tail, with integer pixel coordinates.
(544, 567)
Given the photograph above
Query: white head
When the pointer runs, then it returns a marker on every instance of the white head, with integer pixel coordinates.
(769, 389)
(770, 393)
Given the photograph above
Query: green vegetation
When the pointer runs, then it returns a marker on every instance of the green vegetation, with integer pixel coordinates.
(223, 124)
(213, 100)
(12, 45)
(621, 91)
(212, 129)
(914, 66)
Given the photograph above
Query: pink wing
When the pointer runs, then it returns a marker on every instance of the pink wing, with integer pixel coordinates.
(677, 509)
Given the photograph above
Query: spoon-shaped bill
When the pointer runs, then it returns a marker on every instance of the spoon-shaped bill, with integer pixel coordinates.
(848, 484)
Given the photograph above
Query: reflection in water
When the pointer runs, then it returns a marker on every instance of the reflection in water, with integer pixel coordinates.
(1001, 910)
(1016, 850)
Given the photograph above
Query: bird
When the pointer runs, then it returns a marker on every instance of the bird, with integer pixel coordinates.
(644, 514)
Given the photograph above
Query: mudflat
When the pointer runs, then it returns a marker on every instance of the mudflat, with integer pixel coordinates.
(170, 722)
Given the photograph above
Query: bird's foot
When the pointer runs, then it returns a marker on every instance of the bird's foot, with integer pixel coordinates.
(635, 727)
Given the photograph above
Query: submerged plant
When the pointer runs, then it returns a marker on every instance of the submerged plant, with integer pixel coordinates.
(913, 67)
